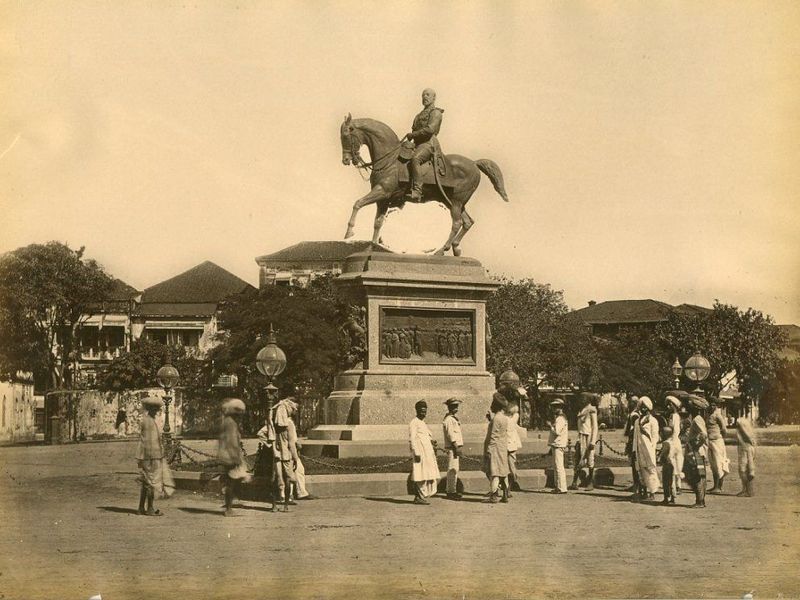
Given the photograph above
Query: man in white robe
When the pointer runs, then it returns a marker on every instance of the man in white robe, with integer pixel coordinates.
(645, 441)
(424, 469)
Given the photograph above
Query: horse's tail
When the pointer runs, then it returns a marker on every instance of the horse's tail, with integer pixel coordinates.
(495, 175)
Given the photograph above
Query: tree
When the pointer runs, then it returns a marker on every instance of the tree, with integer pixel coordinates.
(312, 329)
(635, 362)
(780, 402)
(532, 335)
(47, 291)
(744, 342)
(137, 369)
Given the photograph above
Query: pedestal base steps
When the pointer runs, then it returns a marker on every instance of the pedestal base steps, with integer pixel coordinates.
(349, 441)
(391, 484)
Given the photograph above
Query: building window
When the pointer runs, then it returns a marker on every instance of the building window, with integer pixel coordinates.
(189, 338)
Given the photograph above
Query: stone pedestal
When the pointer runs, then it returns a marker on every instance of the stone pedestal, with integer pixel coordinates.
(426, 339)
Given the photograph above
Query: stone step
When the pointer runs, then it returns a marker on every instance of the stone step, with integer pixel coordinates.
(398, 432)
(391, 484)
(357, 448)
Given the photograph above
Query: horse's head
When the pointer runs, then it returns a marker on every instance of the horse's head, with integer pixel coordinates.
(351, 142)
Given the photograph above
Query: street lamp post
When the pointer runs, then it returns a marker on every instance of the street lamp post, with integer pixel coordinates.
(271, 361)
(167, 377)
(677, 370)
(697, 368)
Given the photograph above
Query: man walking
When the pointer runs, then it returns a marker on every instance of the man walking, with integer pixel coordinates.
(154, 475)
(230, 452)
(424, 470)
(453, 443)
(587, 438)
(559, 432)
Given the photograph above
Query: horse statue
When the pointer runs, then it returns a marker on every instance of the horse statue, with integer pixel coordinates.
(389, 175)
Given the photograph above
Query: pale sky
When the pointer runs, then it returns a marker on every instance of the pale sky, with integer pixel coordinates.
(650, 149)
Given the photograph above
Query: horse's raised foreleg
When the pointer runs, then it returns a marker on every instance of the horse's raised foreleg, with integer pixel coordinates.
(374, 195)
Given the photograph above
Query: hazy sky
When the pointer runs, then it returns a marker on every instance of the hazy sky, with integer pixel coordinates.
(650, 149)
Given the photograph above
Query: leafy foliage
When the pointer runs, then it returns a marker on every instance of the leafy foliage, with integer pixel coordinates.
(531, 335)
(311, 325)
(780, 402)
(137, 369)
(47, 291)
(746, 342)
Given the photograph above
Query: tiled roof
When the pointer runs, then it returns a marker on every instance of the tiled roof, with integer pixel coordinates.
(122, 292)
(624, 311)
(693, 309)
(205, 283)
(320, 251)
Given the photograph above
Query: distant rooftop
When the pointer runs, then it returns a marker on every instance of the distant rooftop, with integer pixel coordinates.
(206, 283)
(624, 311)
(313, 251)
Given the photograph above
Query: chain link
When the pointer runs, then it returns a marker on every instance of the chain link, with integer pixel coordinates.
(606, 446)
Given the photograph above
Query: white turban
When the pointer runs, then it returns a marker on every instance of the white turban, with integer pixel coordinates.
(674, 401)
(645, 401)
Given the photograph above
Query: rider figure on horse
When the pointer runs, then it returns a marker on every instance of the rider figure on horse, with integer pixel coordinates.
(423, 135)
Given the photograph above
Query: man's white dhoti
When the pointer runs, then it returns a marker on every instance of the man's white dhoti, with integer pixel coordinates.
(645, 439)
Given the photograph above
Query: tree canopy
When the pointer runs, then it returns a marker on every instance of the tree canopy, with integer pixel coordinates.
(746, 342)
(46, 292)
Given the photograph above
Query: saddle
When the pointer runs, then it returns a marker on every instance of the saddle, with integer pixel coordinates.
(444, 170)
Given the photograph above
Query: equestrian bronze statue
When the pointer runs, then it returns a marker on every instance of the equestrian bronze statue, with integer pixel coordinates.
(448, 179)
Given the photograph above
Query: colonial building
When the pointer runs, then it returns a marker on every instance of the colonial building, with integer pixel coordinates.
(182, 311)
(299, 264)
(606, 318)
(106, 333)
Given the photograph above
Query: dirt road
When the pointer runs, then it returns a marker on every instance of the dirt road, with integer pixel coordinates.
(68, 531)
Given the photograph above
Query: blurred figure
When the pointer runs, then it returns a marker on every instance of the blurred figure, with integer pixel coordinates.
(746, 437)
(676, 446)
(668, 465)
(514, 444)
(587, 438)
(230, 452)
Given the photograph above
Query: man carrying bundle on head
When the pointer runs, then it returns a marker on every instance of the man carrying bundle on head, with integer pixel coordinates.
(694, 461)
(587, 438)
(495, 449)
(230, 452)
(154, 474)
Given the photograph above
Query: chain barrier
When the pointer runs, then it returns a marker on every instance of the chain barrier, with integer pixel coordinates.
(348, 468)
(604, 445)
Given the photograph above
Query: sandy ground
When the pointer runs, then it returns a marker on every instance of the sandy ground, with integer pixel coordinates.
(68, 531)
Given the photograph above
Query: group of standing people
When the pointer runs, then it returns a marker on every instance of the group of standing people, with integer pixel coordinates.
(499, 449)
(692, 440)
